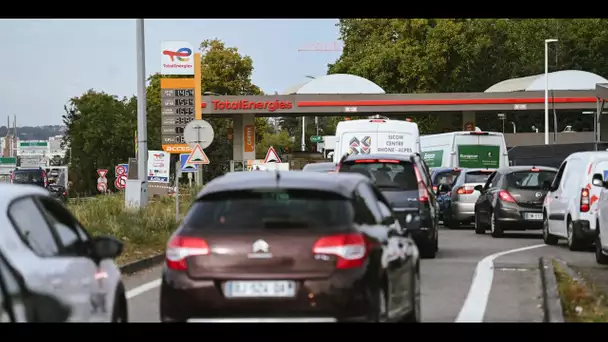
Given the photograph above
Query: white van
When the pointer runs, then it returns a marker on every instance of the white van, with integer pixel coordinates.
(376, 135)
(570, 209)
(475, 150)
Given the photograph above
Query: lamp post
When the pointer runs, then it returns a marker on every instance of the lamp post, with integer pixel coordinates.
(142, 130)
(547, 42)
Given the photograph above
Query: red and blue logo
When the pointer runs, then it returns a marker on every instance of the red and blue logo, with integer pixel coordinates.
(182, 55)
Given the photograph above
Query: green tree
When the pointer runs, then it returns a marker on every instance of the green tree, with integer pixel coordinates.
(280, 141)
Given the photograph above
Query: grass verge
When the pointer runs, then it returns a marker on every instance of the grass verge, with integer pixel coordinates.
(144, 232)
(580, 302)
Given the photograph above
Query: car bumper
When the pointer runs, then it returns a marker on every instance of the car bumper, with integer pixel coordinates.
(341, 297)
(461, 211)
(420, 228)
(582, 231)
(515, 217)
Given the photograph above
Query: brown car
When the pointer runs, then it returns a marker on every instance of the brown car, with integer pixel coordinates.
(290, 246)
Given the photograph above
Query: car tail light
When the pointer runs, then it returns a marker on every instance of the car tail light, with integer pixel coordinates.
(12, 177)
(435, 188)
(505, 196)
(377, 120)
(585, 200)
(423, 194)
(534, 169)
(465, 190)
(337, 168)
(180, 248)
(366, 161)
(350, 249)
(45, 179)
(392, 161)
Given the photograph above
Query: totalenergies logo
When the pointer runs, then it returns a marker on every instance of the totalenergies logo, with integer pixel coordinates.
(181, 55)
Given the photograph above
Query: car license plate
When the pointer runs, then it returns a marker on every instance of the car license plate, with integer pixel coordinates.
(533, 216)
(256, 289)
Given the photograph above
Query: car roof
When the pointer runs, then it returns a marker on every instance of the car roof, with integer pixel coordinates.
(588, 154)
(400, 157)
(12, 191)
(526, 168)
(343, 185)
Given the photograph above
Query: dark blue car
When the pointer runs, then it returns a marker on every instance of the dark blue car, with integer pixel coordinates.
(447, 176)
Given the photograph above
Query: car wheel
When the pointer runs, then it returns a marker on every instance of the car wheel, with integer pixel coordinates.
(600, 257)
(479, 227)
(548, 238)
(495, 227)
(120, 310)
(574, 244)
(414, 316)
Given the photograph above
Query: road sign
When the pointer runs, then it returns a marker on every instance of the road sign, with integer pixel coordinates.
(316, 139)
(272, 156)
(8, 160)
(184, 165)
(121, 171)
(102, 173)
(198, 132)
(197, 156)
(102, 187)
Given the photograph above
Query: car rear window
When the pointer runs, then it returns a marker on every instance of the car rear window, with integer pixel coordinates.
(271, 208)
(476, 176)
(386, 174)
(446, 177)
(532, 180)
(28, 176)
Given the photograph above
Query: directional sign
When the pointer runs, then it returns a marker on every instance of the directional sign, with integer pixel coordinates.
(198, 156)
(272, 156)
(316, 139)
(102, 173)
(185, 166)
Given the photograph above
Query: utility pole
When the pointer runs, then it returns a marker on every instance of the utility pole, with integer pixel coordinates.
(142, 130)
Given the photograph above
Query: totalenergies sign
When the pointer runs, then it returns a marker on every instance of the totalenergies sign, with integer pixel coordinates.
(176, 58)
(269, 106)
(177, 148)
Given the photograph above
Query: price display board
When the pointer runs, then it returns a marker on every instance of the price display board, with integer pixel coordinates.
(177, 110)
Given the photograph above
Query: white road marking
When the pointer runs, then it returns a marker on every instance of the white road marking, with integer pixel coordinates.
(143, 288)
(474, 307)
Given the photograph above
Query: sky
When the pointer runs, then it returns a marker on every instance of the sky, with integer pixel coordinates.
(46, 62)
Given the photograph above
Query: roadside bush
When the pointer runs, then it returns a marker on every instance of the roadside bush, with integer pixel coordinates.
(144, 232)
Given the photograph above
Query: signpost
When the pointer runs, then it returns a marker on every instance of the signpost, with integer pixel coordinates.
(316, 139)
(198, 134)
(102, 181)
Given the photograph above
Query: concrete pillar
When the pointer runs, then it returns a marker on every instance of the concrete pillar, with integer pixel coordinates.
(468, 119)
(243, 138)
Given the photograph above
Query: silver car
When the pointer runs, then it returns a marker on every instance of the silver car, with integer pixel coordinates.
(461, 209)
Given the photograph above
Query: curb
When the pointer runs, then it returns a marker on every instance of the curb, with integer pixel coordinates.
(142, 264)
(552, 305)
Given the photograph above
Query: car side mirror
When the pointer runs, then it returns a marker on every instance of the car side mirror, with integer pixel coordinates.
(478, 188)
(388, 220)
(597, 180)
(107, 247)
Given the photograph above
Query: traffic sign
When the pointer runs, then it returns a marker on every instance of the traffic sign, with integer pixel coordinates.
(185, 166)
(197, 156)
(102, 187)
(121, 171)
(102, 173)
(198, 132)
(316, 139)
(272, 156)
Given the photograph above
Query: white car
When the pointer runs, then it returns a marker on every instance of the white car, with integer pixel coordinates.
(571, 207)
(43, 241)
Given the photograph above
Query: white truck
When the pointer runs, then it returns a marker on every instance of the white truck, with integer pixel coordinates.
(376, 135)
(479, 150)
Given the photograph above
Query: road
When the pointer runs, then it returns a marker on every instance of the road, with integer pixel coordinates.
(505, 289)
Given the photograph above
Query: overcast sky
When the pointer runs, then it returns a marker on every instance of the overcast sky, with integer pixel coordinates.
(46, 62)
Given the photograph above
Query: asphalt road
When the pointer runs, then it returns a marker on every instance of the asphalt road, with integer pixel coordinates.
(505, 288)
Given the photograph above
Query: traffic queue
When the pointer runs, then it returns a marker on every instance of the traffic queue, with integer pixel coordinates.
(335, 242)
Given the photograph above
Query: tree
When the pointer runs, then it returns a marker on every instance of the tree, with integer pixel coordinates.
(280, 141)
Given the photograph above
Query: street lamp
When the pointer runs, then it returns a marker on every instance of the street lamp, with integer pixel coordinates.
(547, 41)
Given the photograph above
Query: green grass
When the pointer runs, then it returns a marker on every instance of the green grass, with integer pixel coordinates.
(580, 303)
(144, 232)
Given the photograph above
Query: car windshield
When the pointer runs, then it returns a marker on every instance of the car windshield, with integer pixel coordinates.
(446, 177)
(270, 208)
(28, 176)
(532, 180)
(477, 176)
(386, 174)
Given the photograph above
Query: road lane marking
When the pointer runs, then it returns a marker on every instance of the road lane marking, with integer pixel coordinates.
(141, 289)
(474, 307)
